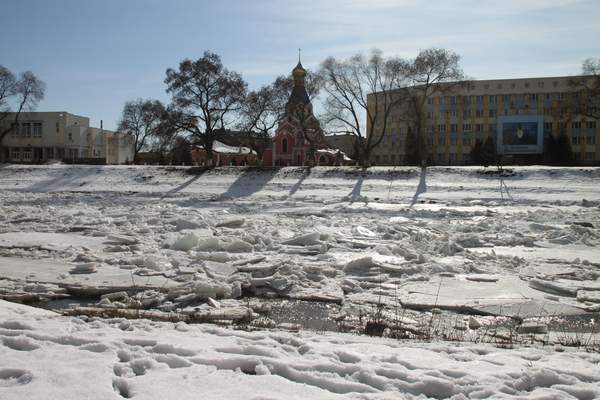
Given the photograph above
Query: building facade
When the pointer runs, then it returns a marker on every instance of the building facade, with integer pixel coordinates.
(42, 136)
(456, 119)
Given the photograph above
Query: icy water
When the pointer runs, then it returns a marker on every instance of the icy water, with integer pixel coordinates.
(318, 316)
(309, 315)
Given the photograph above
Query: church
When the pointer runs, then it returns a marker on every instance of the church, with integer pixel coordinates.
(299, 139)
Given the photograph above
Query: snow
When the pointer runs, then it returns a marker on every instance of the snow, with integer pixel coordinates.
(158, 240)
(45, 355)
(223, 148)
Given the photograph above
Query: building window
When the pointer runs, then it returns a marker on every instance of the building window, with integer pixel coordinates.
(15, 154)
(576, 125)
(505, 98)
(27, 154)
(70, 136)
(478, 128)
(492, 98)
(441, 140)
(466, 113)
(37, 129)
(466, 141)
(441, 128)
(479, 113)
(492, 113)
(479, 99)
(591, 140)
(453, 127)
(591, 124)
(453, 113)
(540, 84)
(14, 128)
(526, 84)
(466, 127)
(590, 156)
(576, 139)
(548, 126)
(555, 83)
(284, 145)
(26, 130)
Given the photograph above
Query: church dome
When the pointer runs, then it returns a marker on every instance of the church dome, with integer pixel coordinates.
(299, 71)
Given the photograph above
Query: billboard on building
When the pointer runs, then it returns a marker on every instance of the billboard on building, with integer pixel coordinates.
(520, 134)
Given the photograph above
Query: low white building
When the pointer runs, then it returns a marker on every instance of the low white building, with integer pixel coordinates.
(43, 136)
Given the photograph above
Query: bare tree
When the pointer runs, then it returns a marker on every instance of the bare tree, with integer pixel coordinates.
(432, 72)
(260, 114)
(359, 89)
(587, 88)
(142, 120)
(25, 92)
(205, 95)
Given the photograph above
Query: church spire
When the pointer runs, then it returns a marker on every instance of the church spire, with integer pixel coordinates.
(299, 72)
(299, 94)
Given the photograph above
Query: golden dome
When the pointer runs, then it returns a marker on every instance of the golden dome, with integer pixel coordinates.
(299, 70)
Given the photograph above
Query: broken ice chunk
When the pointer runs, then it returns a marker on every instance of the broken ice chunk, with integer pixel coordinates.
(231, 223)
(185, 242)
(86, 268)
(362, 231)
(360, 264)
(238, 246)
(181, 224)
(304, 240)
(121, 239)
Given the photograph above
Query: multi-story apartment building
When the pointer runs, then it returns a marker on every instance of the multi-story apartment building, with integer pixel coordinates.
(455, 120)
(43, 136)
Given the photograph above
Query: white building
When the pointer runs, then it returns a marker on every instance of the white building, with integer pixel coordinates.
(43, 136)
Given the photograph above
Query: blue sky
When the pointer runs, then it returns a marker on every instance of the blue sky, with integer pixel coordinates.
(95, 55)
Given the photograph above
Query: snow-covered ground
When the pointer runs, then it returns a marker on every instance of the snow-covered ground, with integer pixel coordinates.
(46, 356)
(522, 245)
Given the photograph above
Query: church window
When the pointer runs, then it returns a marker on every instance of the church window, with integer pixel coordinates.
(284, 145)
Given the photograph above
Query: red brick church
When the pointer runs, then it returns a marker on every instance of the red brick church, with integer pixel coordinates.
(299, 139)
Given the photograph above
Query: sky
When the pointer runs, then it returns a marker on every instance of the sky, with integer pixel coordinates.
(95, 55)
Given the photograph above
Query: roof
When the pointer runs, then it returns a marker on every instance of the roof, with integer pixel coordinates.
(222, 148)
(334, 152)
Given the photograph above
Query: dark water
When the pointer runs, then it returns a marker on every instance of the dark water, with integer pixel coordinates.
(61, 304)
(309, 315)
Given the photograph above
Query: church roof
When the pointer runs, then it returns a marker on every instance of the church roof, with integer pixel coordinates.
(299, 94)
